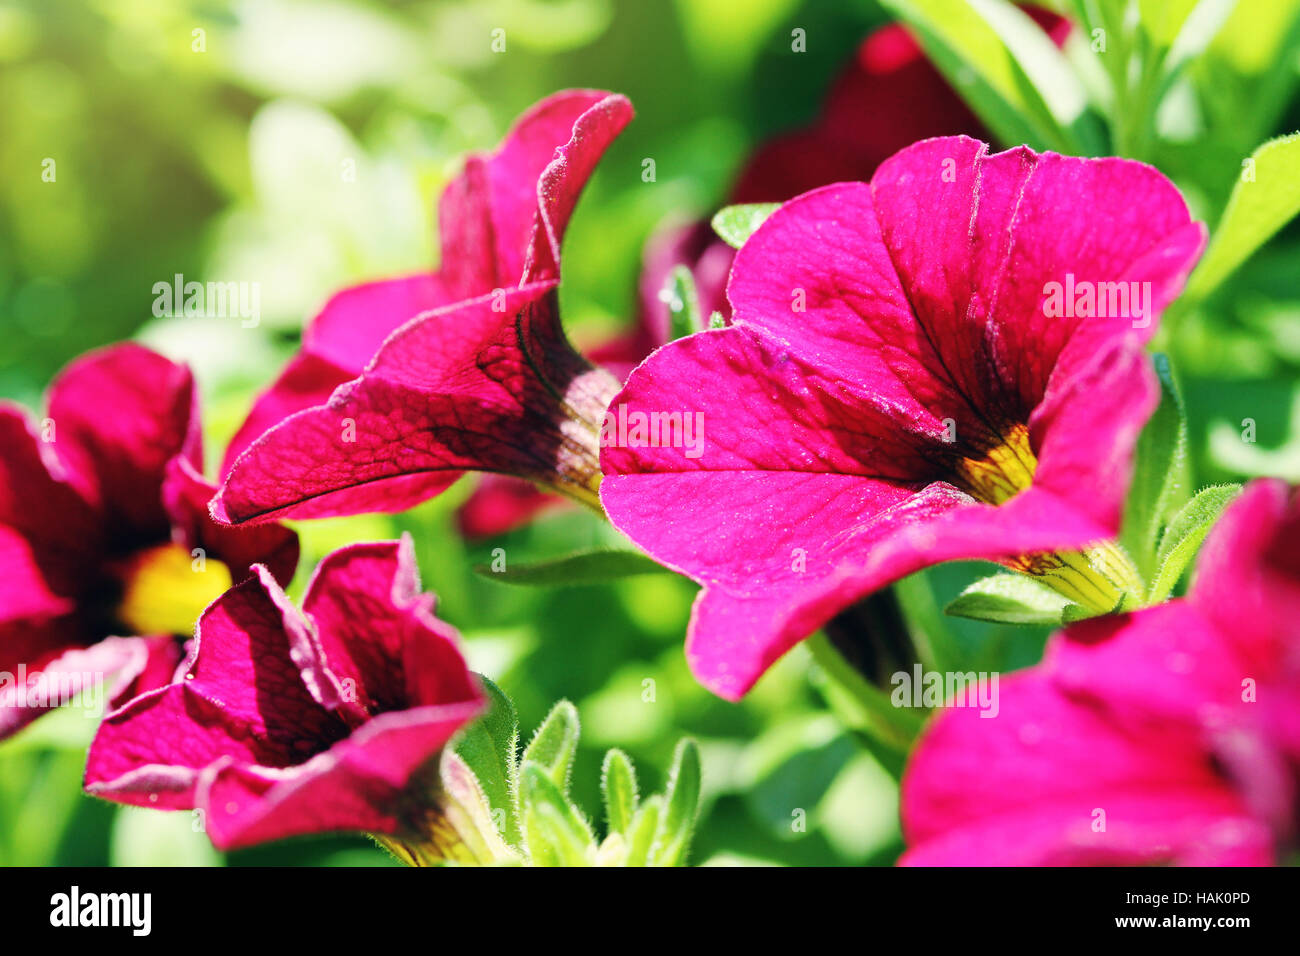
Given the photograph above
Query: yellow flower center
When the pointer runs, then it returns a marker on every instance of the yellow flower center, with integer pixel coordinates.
(166, 588)
(1003, 472)
(1101, 578)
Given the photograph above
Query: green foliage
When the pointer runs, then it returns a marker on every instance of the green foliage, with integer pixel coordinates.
(489, 746)
(618, 784)
(487, 774)
(736, 224)
(1009, 599)
(1182, 539)
(575, 570)
(555, 744)
(1005, 67)
(1265, 198)
(683, 303)
(1161, 482)
(673, 835)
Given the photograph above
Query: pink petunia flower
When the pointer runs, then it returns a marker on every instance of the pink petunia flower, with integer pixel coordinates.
(105, 534)
(903, 384)
(284, 722)
(483, 379)
(1170, 735)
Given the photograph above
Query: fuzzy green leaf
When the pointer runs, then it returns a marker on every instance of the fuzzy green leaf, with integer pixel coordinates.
(489, 746)
(556, 833)
(1077, 612)
(1162, 20)
(1161, 480)
(555, 744)
(644, 829)
(1197, 31)
(1185, 533)
(736, 224)
(618, 785)
(682, 807)
(1009, 599)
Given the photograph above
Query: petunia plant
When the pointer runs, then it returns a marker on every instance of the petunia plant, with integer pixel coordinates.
(108, 550)
(946, 332)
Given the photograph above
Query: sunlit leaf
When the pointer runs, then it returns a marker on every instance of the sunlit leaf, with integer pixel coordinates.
(576, 570)
(1009, 599)
(1264, 199)
(736, 224)
(1185, 534)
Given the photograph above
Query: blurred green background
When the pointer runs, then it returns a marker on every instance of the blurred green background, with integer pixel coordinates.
(211, 139)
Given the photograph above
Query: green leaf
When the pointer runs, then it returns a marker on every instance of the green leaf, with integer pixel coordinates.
(736, 224)
(1009, 599)
(1256, 210)
(1004, 66)
(555, 744)
(642, 833)
(618, 785)
(683, 301)
(489, 746)
(1162, 20)
(556, 833)
(577, 570)
(683, 806)
(1161, 478)
(1255, 35)
(1185, 533)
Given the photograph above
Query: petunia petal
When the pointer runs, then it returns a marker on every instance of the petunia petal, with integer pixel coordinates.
(239, 695)
(450, 391)
(1248, 579)
(1056, 780)
(120, 414)
(186, 495)
(378, 633)
(360, 784)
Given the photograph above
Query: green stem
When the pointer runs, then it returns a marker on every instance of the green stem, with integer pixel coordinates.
(861, 704)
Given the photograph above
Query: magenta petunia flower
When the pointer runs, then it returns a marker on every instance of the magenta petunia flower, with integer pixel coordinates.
(903, 384)
(1171, 735)
(887, 97)
(284, 722)
(484, 378)
(105, 533)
